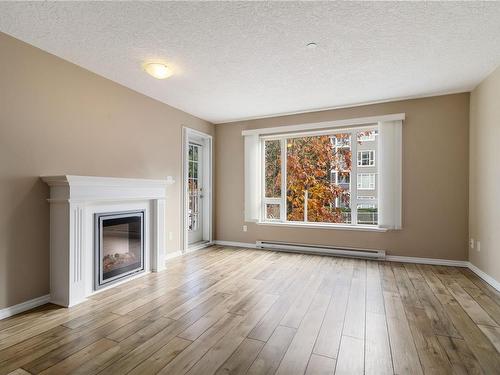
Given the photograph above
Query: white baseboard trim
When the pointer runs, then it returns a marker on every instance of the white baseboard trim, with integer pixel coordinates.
(431, 261)
(199, 246)
(175, 254)
(236, 244)
(390, 258)
(23, 306)
(483, 275)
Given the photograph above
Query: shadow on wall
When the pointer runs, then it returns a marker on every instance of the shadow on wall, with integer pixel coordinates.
(25, 242)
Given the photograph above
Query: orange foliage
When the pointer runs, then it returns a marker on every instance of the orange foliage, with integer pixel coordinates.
(310, 161)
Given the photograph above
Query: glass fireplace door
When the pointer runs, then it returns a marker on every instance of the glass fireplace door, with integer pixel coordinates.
(119, 246)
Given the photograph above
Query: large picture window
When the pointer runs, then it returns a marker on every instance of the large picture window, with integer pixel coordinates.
(343, 174)
(313, 177)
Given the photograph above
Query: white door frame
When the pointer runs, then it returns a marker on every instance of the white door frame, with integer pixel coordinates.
(197, 136)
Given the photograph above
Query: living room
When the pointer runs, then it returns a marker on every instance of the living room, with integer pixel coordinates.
(249, 187)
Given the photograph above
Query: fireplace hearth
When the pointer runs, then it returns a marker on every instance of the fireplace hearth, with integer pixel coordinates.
(119, 246)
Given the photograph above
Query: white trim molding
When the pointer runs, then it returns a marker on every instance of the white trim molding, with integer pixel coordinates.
(179, 253)
(24, 306)
(173, 255)
(236, 244)
(206, 140)
(312, 225)
(372, 120)
(483, 275)
(431, 261)
(199, 246)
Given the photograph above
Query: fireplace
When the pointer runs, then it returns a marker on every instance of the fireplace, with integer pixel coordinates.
(119, 246)
(81, 212)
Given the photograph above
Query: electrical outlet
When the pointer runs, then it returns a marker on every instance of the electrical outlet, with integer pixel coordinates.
(471, 243)
(170, 236)
(245, 228)
(478, 246)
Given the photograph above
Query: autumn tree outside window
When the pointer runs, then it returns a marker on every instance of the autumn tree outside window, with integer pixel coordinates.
(311, 178)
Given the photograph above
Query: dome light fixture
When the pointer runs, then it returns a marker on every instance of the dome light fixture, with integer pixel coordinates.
(157, 69)
(311, 45)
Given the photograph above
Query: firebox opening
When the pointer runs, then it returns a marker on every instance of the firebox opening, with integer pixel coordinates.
(119, 246)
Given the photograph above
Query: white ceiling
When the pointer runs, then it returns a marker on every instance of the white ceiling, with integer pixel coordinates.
(237, 60)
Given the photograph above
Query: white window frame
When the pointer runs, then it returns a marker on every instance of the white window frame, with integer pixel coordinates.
(282, 199)
(389, 165)
(371, 158)
(371, 184)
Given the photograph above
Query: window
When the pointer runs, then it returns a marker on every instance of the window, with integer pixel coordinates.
(366, 158)
(321, 174)
(341, 178)
(366, 181)
(307, 178)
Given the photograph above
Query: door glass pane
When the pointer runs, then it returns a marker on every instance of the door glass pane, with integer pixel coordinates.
(193, 189)
(190, 153)
(195, 153)
(195, 169)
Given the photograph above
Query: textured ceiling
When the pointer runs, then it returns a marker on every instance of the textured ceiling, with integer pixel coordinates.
(236, 60)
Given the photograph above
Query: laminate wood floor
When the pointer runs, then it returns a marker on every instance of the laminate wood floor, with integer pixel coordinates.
(239, 311)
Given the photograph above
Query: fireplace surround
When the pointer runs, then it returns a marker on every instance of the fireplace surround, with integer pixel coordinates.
(78, 207)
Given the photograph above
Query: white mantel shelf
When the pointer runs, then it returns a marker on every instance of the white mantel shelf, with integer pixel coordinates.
(83, 188)
(74, 201)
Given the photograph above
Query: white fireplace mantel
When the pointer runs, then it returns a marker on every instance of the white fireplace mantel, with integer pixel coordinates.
(74, 200)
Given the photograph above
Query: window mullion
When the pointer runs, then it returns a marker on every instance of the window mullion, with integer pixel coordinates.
(263, 179)
(354, 178)
(283, 180)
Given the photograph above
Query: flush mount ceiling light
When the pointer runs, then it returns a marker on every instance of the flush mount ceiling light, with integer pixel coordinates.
(157, 70)
(311, 45)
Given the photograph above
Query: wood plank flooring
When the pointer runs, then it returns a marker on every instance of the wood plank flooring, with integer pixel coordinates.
(239, 311)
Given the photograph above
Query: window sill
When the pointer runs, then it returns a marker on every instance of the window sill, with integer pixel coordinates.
(364, 228)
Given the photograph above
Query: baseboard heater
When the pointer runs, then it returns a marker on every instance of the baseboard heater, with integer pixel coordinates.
(349, 252)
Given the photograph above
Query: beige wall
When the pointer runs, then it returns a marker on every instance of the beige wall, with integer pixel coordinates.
(484, 207)
(57, 118)
(435, 183)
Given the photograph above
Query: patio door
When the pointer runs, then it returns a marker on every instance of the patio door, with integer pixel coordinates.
(195, 193)
(196, 190)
